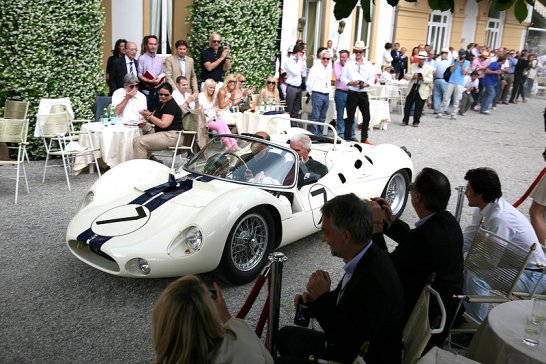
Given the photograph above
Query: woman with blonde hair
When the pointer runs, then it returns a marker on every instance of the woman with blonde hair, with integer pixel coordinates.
(229, 95)
(209, 103)
(189, 326)
(270, 92)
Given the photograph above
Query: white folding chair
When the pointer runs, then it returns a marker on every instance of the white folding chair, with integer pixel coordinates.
(14, 109)
(418, 328)
(15, 131)
(500, 263)
(61, 140)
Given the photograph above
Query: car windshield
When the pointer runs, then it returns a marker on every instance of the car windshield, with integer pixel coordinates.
(253, 162)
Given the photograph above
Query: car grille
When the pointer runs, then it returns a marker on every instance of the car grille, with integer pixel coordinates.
(93, 256)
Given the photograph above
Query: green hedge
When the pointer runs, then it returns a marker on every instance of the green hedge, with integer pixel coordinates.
(51, 49)
(252, 38)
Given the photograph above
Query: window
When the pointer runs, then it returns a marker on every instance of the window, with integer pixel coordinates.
(161, 24)
(362, 27)
(493, 28)
(439, 24)
(312, 33)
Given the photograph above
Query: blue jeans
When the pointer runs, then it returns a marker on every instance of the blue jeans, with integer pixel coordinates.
(440, 88)
(319, 108)
(475, 286)
(488, 97)
(341, 101)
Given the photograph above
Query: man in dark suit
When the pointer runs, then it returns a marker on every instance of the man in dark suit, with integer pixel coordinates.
(364, 314)
(123, 66)
(434, 246)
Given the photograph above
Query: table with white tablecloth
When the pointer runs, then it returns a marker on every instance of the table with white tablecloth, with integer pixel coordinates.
(380, 114)
(500, 338)
(440, 356)
(115, 143)
(252, 122)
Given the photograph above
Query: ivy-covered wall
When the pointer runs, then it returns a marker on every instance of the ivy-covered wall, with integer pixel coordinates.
(251, 38)
(51, 49)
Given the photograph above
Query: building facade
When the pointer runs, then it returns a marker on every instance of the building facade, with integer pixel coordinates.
(408, 23)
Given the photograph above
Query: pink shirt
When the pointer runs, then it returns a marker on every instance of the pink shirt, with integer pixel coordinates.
(477, 63)
(338, 69)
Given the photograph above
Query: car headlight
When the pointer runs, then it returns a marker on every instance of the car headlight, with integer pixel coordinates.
(144, 266)
(88, 198)
(190, 239)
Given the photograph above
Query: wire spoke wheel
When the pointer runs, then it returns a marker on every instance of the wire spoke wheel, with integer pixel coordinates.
(396, 192)
(250, 241)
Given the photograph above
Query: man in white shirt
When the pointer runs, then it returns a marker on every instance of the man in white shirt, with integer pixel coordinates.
(483, 191)
(471, 86)
(128, 101)
(319, 86)
(294, 72)
(181, 95)
(358, 75)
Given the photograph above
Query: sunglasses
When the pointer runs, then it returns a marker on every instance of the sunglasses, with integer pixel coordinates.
(242, 81)
(326, 59)
(271, 82)
(358, 51)
(133, 86)
(164, 95)
(216, 41)
(232, 81)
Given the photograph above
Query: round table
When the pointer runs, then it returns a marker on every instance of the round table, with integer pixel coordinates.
(115, 143)
(252, 122)
(499, 338)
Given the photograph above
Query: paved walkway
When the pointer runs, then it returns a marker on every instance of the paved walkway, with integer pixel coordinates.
(55, 309)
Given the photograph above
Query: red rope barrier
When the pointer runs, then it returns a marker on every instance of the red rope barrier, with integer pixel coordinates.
(530, 189)
(252, 296)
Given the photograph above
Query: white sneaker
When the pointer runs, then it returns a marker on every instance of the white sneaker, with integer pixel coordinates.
(438, 116)
(453, 117)
(494, 108)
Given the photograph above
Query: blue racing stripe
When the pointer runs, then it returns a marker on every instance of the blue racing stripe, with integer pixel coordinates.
(162, 193)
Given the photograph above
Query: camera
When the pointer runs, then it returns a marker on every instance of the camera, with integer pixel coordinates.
(303, 314)
(361, 84)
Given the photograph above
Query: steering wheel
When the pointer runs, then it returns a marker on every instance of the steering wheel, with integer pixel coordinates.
(229, 173)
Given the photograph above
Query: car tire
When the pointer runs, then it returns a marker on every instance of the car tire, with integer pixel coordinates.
(396, 192)
(248, 246)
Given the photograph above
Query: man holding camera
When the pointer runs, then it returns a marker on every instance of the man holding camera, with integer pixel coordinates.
(421, 76)
(358, 75)
(362, 316)
(459, 68)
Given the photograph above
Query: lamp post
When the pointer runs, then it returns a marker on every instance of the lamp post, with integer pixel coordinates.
(301, 25)
(340, 29)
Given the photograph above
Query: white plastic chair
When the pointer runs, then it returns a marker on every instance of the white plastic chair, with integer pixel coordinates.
(15, 131)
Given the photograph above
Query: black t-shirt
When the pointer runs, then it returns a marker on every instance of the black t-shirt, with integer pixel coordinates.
(208, 55)
(169, 108)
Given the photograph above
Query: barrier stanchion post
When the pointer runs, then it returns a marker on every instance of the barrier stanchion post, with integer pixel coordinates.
(278, 260)
(460, 201)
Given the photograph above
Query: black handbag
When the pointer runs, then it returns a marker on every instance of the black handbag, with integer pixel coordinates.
(447, 74)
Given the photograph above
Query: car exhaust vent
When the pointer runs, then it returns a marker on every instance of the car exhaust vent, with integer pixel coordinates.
(341, 177)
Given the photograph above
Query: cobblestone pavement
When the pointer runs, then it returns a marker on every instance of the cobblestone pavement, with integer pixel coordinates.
(55, 309)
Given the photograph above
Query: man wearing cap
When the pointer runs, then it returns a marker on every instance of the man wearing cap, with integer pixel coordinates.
(358, 75)
(459, 68)
(319, 86)
(293, 69)
(420, 77)
(440, 85)
(479, 64)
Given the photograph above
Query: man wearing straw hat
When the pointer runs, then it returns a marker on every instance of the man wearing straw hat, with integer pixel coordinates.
(358, 75)
(420, 77)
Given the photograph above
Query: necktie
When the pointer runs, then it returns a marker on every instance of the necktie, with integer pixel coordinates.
(131, 68)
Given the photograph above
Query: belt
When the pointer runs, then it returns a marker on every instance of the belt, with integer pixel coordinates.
(320, 93)
(344, 91)
(358, 92)
(289, 85)
(534, 269)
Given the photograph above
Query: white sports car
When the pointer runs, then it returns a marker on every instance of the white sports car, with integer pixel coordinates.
(225, 208)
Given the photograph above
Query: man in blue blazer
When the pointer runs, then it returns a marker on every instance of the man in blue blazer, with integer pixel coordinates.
(434, 246)
(363, 315)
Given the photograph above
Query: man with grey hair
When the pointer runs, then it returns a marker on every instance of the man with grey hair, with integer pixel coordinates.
(363, 314)
(318, 85)
(124, 65)
(301, 143)
(128, 101)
